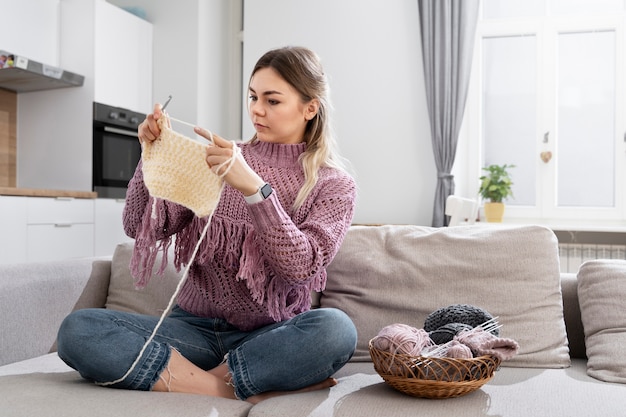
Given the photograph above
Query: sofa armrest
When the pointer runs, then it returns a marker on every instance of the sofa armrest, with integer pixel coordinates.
(36, 297)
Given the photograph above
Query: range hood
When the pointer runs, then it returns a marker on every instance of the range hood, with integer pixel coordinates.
(21, 74)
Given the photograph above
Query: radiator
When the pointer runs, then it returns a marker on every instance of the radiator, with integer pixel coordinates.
(572, 255)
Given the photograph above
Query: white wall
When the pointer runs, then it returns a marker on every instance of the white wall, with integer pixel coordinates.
(371, 50)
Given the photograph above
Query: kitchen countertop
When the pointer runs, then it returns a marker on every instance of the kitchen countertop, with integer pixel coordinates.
(36, 192)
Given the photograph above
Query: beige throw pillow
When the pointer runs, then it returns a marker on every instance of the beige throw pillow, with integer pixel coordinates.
(400, 274)
(601, 294)
(124, 296)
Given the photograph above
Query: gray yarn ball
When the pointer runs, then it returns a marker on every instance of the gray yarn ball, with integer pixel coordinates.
(446, 333)
(444, 323)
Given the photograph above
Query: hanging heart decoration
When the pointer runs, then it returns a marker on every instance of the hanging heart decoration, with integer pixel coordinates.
(546, 156)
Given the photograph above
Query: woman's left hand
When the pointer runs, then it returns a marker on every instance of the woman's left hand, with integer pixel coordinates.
(240, 176)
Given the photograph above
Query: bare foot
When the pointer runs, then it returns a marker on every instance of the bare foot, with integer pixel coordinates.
(181, 375)
(327, 383)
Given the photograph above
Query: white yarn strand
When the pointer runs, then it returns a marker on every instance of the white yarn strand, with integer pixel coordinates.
(228, 164)
(173, 119)
(181, 121)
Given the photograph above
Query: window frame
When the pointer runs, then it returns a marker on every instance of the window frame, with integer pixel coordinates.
(546, 29)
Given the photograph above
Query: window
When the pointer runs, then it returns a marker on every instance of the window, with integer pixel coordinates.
(548, 95)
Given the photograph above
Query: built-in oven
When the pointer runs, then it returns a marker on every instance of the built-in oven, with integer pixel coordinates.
(116, 149)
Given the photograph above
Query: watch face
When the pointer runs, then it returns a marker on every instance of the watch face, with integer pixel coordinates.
(266, 191)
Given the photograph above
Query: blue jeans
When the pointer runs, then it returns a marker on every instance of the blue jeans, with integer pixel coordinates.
(102, 345)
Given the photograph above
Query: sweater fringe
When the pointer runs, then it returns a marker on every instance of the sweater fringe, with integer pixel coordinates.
(282, 299)
(147, 247)
(240, 253)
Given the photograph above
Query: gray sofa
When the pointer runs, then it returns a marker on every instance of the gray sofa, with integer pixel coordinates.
(571, 328)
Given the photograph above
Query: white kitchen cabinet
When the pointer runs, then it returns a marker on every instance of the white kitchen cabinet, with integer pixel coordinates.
(13, 215)
(59, 228)
(123, 59)
(30, 28)
(109, 231)
(53, 242)
(60, 210)
(36, 229)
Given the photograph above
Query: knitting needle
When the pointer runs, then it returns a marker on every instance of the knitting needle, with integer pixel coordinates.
(166, 102)
(169, 98)
(209, 139)
(180, 121)
(172, 118)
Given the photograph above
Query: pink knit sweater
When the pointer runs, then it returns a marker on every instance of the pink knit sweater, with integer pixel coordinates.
(259, 262)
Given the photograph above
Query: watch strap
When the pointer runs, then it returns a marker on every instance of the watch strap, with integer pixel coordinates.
(261, 194)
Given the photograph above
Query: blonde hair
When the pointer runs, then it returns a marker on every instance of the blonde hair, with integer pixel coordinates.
(301, 68)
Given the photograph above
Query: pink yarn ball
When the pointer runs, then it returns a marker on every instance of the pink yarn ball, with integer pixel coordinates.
(402, 338)
(459, 351)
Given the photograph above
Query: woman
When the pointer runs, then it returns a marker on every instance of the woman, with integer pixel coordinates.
(242, 327)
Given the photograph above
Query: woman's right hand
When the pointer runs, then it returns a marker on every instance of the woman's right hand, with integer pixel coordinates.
(149, 129)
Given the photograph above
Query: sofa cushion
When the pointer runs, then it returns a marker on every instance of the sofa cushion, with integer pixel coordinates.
(513, 392)
(601, 293)
(400, 274)
(124, 296)
(35, 297)
(68, 395)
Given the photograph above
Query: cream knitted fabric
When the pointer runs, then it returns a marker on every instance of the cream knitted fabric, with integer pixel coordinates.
(175, 169)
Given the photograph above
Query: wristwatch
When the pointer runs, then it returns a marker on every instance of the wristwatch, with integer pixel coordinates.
(261, 194)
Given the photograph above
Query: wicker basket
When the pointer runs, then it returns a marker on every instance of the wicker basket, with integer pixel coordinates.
(420, 376)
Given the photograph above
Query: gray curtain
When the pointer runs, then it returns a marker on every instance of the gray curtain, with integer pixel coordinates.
(447, 29)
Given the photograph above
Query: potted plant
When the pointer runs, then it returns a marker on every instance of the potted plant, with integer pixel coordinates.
(495, 186)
